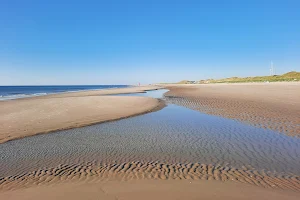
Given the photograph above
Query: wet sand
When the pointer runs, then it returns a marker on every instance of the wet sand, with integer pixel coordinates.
(25, 117)
(109, 161)
(150, 189)
(135, 171)
(273, 106)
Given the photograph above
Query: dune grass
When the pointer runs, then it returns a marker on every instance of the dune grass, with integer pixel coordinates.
(290, 76)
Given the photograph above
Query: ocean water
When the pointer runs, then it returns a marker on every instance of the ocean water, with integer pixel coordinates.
(15, 92)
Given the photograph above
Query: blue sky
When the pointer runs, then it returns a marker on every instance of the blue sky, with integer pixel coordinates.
(131, 41)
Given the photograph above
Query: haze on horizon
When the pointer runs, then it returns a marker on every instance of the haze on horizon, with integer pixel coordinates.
(126, 42)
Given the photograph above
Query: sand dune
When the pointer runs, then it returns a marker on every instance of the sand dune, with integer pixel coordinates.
(274, 106)
(30, 116)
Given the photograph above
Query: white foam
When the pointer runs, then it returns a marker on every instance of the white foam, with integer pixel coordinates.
(19, 96)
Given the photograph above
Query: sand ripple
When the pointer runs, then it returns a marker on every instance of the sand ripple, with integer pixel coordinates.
(173, 143)
(172, 135)
(154, 170)
(256, 114)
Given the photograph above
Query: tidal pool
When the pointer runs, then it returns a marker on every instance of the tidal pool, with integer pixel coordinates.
(172, 135)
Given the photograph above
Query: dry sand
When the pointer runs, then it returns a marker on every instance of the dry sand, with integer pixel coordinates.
(24, 117)
(104, 92)
(150, 189)
(269, 105)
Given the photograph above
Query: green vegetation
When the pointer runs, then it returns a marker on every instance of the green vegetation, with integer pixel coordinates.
(290, 76)
(185, 82)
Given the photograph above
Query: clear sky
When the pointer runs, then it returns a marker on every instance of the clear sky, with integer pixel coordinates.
(131, 41)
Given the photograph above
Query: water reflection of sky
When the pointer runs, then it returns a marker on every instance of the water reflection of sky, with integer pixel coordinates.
(173, 134)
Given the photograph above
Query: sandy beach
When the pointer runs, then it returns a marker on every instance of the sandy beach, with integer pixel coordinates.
(157, 155)
(29, 116)
(150, 189)
(273, 106)
(149, 100)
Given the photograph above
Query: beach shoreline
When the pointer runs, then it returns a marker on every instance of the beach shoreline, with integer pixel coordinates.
(272, 106)
(132, 178)
(43, 114)
(8, 92)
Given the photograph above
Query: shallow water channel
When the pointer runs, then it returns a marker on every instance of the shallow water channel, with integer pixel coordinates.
(172, 135)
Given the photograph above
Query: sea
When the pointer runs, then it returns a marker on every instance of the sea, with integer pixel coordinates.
(16, 92)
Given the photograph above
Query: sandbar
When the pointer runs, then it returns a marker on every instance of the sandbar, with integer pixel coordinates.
(29, 116)
(273, 106)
